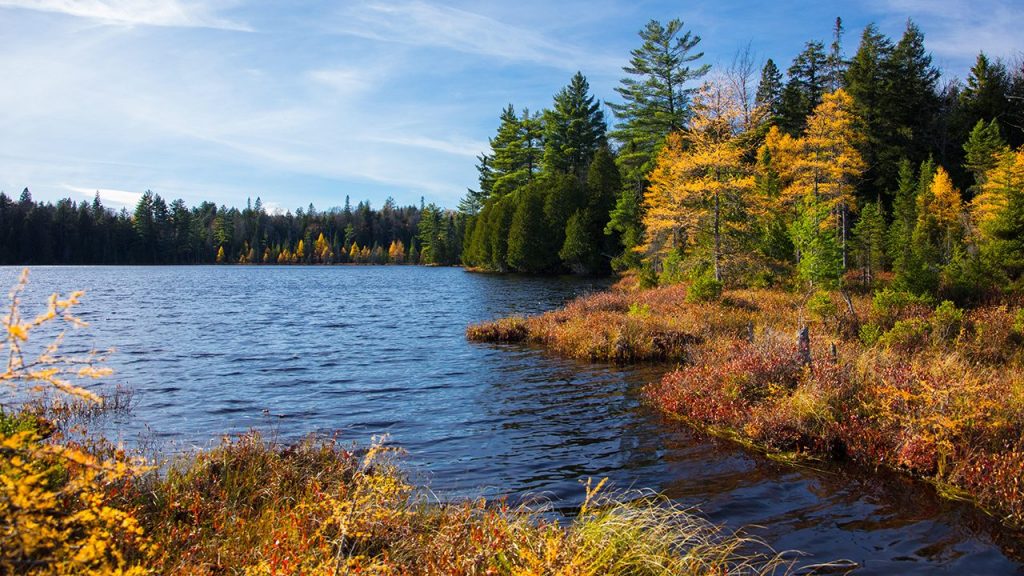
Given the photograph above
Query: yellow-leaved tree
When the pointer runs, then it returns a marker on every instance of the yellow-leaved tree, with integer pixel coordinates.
(818, 173)
(396, 252)
(1002, 183)
(997, 214)
(701, 187)
(322, 250)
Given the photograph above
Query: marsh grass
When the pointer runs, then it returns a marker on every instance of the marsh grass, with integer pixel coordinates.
(894, 379)
(319, 507)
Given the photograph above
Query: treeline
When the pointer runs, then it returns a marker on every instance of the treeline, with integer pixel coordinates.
(856, 166)
(156, 232)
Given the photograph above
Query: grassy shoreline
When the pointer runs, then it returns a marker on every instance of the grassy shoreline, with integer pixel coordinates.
(317, 506)
(895, 381)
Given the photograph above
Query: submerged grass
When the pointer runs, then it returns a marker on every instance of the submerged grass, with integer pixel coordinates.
(891, 380)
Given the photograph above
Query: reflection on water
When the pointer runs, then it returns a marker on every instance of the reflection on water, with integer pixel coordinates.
(372, 350)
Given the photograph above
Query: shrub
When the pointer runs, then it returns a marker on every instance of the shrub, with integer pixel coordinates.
(1018, 321)
(906, 335)
(947, 321)
(821, 307)
(704, 288)
(870, 334)
(637, 310)
(672, 271)
(889, 305)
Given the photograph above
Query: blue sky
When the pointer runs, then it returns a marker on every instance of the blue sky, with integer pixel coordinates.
(304, 102)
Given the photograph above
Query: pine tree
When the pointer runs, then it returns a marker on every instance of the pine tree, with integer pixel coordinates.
(904, 217)
(574, 129)
(769, 89)
(866, 82)
(835, 66)
(803, 92)
(869, 236)
(655, 94)
(982, 151)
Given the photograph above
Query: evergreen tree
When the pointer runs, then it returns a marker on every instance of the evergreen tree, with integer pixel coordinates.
(769, 89)
(869, 236)
(529, 245)
(904, 217)
(807, 83)
(982, 151)
(655, 94)
(867, 83)
(574, 129)
(835, 66)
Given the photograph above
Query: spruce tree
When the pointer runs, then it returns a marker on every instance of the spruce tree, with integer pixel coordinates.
(806, 85)
(982, 151)
(769, 89)
(574, 129)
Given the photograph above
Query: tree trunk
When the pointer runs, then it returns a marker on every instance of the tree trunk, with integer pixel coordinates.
(718, 242)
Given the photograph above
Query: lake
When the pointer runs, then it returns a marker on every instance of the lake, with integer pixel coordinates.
(364, 351)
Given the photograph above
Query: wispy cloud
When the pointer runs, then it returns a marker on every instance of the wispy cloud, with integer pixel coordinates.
(108, 196)
(419, 23)
(175, 13)
(957, 30)
(455, 147)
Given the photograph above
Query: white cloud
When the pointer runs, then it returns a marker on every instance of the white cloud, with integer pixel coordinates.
(957, 30)
(176, 13)
(344, 81)
(455, 147)
(108, 196)
(419, 23)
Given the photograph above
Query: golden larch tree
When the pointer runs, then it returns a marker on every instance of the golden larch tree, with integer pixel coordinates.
(701, 186)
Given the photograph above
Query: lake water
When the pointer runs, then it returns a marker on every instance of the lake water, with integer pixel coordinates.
(374, 350)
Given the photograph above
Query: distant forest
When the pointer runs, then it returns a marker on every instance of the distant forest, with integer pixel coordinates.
(160, 233)
(867, 164)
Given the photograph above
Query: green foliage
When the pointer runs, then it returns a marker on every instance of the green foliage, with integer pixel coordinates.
(821, 257)
(655, 93)
(639, 310)
(869, 236)
(947, 321)
(1018, 321)
(821, 307)
(672, 269)
(806, 85)
(704, 288)
(20, 421)
(889, 304)
(647, 276)
(625, 221)
(906, 335)
(982, 149)
(870, 334)
(574, 129)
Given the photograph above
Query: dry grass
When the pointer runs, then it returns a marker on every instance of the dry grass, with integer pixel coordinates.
(255, 507)
(901, 382)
